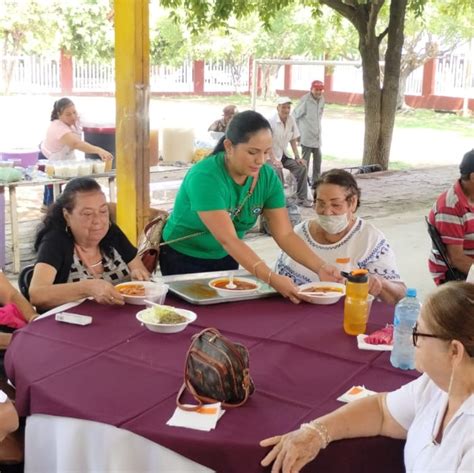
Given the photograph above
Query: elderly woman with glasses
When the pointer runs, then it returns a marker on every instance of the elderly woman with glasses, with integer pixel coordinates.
(342, 239)
(434, 413)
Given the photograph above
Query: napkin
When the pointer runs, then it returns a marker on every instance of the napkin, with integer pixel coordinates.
(356, 392)
(205, 418)
(369, 346)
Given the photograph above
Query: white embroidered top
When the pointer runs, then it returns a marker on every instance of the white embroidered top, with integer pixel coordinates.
(365, 245)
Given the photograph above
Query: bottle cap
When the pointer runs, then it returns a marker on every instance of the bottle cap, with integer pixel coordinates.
(411, 292)
(357, 275)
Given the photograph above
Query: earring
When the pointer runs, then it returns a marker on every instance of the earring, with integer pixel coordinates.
(66, 229)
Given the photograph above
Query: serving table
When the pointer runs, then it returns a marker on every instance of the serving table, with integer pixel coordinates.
(118, 373)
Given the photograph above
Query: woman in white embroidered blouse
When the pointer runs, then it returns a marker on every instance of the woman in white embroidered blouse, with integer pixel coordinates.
(434, 413)
(337, 235)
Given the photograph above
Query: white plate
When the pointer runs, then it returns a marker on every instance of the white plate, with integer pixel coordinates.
(168, 328)
(224, 292)
(154, 292)
(325, 299)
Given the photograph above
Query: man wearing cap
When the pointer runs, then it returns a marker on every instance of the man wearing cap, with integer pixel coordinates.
(453, 216)
(308, 114)
(285, 131)
(221, 125)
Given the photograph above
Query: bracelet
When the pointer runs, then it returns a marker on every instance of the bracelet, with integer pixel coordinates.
(320, 429)
(269, 277)
(255, 266)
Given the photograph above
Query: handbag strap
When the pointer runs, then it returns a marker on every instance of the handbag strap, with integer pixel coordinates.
(236, 213)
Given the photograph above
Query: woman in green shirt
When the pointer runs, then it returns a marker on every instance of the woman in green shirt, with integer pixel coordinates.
(219, 201)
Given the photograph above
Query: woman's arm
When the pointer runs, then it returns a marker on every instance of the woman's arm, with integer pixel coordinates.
(138, 270)
(8, 294)
(363, 418)
(295, 247)
(74, 142)
(389, 291)
(220, 225)
(8, 419)
(45, 294)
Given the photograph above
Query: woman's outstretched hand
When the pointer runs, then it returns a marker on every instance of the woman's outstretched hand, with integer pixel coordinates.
(292, 451)
(285, 286)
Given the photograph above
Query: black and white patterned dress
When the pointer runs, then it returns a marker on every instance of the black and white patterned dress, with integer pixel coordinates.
(115, 269)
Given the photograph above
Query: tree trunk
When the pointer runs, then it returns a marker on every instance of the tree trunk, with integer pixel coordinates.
(401, 104)
(381, 100)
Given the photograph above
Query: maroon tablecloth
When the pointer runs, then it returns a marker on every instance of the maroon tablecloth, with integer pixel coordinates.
(116, 371)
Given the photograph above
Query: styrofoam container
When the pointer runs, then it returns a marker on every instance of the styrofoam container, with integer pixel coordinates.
(320, 297)
(154, 292)
(225, 292)
(168, 328)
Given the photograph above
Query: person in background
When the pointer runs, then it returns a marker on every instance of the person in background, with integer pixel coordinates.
(219, 202)
(434, 413)
(285, 131)
(63, 136)
(453, 216)
(221, 124)
(337, 234)
(308, 114)
(81, 253)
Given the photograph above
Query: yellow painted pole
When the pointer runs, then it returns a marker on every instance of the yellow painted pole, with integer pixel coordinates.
(132, 96)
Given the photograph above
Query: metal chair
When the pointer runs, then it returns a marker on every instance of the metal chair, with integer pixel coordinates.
(24, 280)
(452, 274)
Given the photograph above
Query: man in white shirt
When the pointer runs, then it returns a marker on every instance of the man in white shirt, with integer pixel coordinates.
(286, 131)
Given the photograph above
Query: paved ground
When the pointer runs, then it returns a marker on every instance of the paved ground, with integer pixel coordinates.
(395, 201)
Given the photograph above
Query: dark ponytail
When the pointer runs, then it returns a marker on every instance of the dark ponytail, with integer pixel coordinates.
(241, 128)
(59, 107)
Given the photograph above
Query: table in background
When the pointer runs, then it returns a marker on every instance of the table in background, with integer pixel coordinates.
(163, 172)
(116, 372)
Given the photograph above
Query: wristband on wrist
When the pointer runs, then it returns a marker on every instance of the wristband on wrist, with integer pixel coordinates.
(269, 280)
(320, 429)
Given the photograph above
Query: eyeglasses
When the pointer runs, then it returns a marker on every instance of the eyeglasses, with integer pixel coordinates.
(415, 334)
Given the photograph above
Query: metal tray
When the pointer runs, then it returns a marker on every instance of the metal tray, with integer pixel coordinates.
(194, 288)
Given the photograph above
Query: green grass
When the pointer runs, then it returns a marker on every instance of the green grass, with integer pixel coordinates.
(435, 121)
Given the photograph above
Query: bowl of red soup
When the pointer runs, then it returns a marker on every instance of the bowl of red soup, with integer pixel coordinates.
(322, 292)
(238, 286)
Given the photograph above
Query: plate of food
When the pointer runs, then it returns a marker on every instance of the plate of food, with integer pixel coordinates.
(137, 292)
(165, 319)
(230, 287)
(322, 292)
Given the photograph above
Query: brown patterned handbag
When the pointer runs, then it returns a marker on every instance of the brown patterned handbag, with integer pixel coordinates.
(216, 370)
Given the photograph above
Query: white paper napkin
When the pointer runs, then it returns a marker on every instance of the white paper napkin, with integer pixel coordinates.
(356, 392)
(369, 346)
(203, 419)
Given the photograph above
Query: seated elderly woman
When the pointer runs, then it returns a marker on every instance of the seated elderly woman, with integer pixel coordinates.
(81, 253)
(434, 413)
(337, 234)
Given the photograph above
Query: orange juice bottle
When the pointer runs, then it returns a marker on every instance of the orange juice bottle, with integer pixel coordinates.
(355, 304)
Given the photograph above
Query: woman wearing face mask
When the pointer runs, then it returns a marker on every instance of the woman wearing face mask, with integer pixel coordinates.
(337, 234)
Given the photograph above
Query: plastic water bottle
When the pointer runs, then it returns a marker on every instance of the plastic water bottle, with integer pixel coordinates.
(406, 313)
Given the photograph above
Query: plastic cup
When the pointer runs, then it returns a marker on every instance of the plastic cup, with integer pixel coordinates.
(157, 296)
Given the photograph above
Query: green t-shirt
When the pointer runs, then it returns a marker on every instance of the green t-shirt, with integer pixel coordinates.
(208, 186)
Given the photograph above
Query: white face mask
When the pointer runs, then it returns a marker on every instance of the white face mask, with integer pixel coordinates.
(333, 224)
